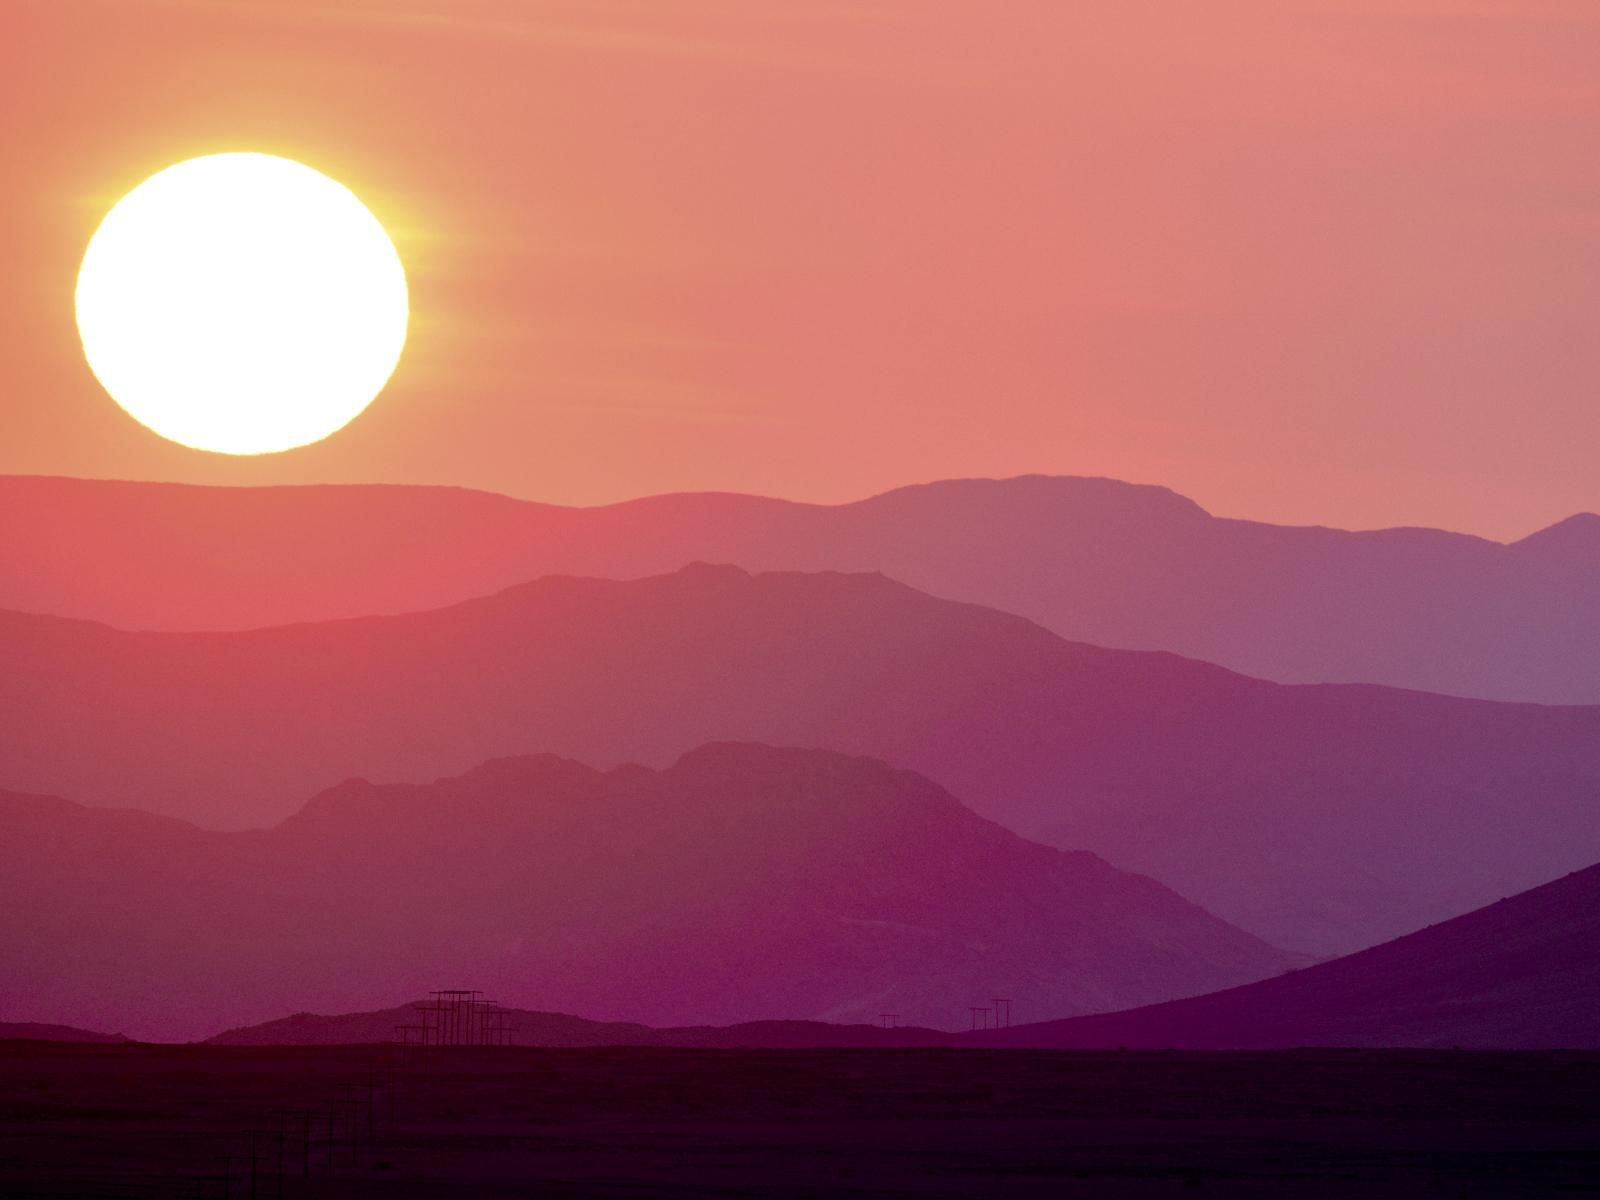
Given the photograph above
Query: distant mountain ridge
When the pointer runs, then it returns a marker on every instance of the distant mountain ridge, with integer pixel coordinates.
(744, 883)
(1321, 818)
(1521, 974)
(1095, 560)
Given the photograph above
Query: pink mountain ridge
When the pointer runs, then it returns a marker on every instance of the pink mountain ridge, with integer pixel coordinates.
(1095, 560)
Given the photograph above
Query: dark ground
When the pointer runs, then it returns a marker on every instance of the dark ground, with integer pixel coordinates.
(142, 1120)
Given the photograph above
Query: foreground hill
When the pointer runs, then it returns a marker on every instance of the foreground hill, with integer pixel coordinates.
(743, 883)
(34, 1031)
(1522, 974)
(1322, 818)
(554, 1030)
(1092, 559)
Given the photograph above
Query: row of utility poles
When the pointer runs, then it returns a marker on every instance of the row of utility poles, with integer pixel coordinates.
(282, 1159)
(996, 1017)
(286, 1157)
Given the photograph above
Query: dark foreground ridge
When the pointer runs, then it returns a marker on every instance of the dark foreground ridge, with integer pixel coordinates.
(1519, 974)
(562, 1031)
(141, 1120)
(36, 1031)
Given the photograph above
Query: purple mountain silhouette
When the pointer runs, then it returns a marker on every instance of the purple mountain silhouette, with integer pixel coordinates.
(1322, 818)
(1520, 974)
(743, 883)
(1092, 559)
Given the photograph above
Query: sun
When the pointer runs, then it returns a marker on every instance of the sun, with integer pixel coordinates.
(242, 304)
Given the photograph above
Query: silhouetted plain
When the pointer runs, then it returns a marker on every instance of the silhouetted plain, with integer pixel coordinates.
(116, 1121)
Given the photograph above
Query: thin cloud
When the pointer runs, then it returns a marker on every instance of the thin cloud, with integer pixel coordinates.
(706, 30)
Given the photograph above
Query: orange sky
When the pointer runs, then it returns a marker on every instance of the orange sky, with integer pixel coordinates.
(1304, 260)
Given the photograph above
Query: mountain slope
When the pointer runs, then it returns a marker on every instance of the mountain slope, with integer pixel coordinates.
(1520, 974)
(743, 883)
(1322, 818)
(1092, 559)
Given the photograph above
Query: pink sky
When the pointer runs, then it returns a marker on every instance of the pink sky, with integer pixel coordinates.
(1305, 260)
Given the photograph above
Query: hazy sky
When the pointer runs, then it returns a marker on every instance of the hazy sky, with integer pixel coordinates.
(1328, 261)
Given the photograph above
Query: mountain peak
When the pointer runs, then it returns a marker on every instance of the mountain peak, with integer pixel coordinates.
(710, 572)
(1090, 492)
(1579, 532)
(360, 804)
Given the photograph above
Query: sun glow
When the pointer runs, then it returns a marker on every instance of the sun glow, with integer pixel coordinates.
(242, 303)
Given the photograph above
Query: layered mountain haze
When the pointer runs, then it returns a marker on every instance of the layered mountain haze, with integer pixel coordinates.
(1111, 563)
(1520, 974)
(743, 883)
(1323, 819)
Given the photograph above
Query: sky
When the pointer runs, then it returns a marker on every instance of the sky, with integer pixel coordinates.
(1307, 261)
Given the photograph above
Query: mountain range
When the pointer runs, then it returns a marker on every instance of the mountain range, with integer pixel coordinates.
(744, 883)
(1094, 560)
(1321, 818)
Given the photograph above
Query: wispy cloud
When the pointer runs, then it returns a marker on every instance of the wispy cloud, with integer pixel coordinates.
(730, 31)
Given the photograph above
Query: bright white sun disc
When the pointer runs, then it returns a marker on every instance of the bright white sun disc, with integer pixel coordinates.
(242, 303)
